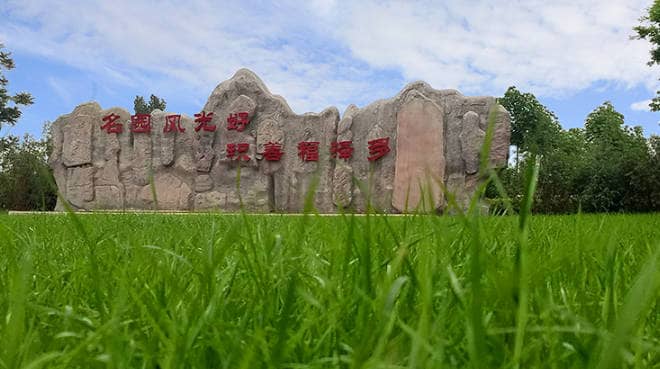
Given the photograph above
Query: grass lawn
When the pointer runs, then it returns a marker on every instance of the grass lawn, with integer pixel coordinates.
(243, 291)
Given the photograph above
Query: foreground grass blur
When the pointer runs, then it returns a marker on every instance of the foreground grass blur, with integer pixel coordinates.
(240, 291)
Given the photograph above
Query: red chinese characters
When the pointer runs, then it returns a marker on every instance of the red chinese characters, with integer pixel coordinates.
(378, 148)
(203, 119)
(141, 123)
(172, 123)
(238, 151)
(238, 121)
(273, 151)
(111, 125)
(342, 150)
(308, 151)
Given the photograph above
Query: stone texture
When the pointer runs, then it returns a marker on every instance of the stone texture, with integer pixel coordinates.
(499, 150)
(184, 160)
(77, 134)
(80, 186)
(165, 141)
(60, 173)
(203, 183)
(142, 159)
(432, 134)
(453, 151)
(172, 193)
(204, 153)
(455, 187)
(269, 132)
(109, 197)
(244, 92)
(471, 138)
(342, 181)
(420, 161)
(296, 178)
(373, 179)
(185, 164)
(55, 160)
(213, 200)
(243, 104)
(106, 150)
(125, 146)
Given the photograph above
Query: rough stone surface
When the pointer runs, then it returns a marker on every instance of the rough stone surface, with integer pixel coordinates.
(213, 200)
(142, 159)
(171, 193)
(455, 186)
(373, 179)
(239, 178)
(204, 153)
(165, 141)
(55, 160)
(432, 134)
(499, 150)
(420, 161)
(77, 135)
(109, 197)
(342, 181)
(203, 183)
(105, 153)
(471, 138)
(80, 186)
(296, 178)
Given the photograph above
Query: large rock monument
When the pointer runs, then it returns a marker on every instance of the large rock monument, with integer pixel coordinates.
(248, 150)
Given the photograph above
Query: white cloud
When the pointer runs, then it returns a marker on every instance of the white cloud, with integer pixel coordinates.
(323, 7)
(321, 52)
(551, 47)
(61, 89)
(641, 105)
(180, 47)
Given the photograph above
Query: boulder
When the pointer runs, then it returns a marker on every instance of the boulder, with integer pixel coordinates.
(254, 153)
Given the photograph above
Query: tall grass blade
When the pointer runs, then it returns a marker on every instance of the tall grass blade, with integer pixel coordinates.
(522, 262)
(643, 294)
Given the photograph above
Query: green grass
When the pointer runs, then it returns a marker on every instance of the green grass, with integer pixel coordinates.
(241, 291)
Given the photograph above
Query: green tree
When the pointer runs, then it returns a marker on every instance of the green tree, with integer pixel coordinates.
(603, 126)
(534, 128)
(26, 180)
(560, 168)
(654, 171)
(535, 131)
(618, 174)
(142, 107)
(604, 167)
(649, 30)
(10, 104)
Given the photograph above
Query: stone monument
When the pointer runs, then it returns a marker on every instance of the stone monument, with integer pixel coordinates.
(247, 150)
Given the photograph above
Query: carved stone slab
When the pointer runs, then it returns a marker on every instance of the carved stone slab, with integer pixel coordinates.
(420, 161)
(254, 153)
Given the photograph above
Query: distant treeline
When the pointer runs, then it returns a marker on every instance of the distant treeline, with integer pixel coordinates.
(606, 166)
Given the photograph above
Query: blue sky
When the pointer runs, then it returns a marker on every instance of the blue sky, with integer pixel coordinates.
(573, 55)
